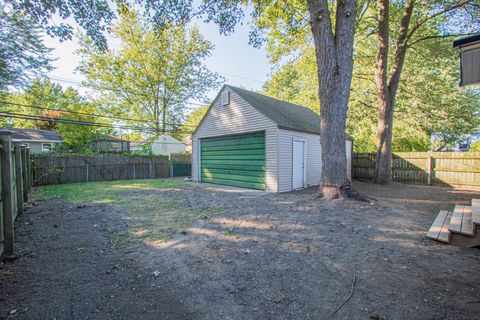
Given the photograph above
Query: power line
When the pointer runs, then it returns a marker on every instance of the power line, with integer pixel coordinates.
(78, 122)
(101, 89)
(85, 113)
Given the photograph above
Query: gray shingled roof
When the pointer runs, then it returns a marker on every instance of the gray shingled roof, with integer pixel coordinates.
(31, 134)
(285, 114)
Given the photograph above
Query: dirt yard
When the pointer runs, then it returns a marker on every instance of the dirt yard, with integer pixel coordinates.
(176, 250)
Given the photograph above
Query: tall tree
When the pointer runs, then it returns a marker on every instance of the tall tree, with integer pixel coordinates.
(420, 21)
(153, 75)
(332, 29)
(43, 99)
(22, 53)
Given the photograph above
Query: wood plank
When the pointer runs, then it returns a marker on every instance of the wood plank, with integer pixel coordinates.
(439, 229)
(476, 211)
(467, 224)
(456, 220)
(445, 234)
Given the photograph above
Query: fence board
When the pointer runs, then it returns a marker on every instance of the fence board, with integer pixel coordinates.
(60, 169)
(450, 168)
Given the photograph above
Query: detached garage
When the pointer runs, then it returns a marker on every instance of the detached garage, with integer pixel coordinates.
(253, 141)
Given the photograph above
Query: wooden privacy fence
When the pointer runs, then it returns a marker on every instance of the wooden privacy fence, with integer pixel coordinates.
(444, 168)
(58, 169)
(15, 176)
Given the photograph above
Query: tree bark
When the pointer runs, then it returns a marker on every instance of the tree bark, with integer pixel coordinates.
(334, 56)
(385, 112)
(387, 90)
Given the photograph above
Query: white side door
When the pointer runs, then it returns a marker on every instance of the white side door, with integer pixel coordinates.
(298, 164)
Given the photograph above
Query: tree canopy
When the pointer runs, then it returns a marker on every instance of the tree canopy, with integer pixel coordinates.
(22, 53)
(45, 99)
(154, 74)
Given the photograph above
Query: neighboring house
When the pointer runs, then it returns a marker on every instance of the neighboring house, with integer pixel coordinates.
(109, 144)
(39, 141)
(250, 140)
(469, 48)
(164, 144)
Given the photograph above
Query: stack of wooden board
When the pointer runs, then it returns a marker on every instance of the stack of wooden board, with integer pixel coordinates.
(461, 223)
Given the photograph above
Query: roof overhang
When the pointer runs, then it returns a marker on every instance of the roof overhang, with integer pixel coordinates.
(469, 48)
(32, 140)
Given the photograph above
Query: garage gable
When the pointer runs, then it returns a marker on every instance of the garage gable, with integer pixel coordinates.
(236, 116)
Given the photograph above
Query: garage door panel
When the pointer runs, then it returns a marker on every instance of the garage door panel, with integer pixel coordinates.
(234, 177)
(235, 157)
(235, 183)
(234, 142)
(232, 167)
(231, 172)
(258, 146)
(234, 160)
(233, 152)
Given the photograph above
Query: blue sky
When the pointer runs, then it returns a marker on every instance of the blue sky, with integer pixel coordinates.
(233, 58)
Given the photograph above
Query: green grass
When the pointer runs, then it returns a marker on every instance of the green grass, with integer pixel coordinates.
(100, 192)
(152, 216)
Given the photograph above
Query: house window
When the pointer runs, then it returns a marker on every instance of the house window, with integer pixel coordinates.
(47, 147)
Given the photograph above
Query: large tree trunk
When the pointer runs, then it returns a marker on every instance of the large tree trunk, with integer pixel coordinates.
(334, 55)
(387, 90)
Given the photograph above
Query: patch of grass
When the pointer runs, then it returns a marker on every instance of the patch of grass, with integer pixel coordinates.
(121, 240)
(100, 192)
(153, 216)
(228, 233)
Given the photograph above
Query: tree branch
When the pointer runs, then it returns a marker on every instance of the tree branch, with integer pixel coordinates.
(441, 12)
(440, 37)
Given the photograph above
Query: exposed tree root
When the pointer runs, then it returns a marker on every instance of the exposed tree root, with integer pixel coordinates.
(343, 192)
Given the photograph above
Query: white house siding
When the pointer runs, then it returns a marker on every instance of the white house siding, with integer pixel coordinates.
(349, 145)
(166, 145)
(314, 158)
(236, 118)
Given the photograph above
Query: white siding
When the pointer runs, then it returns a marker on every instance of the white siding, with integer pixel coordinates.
(313, 159)
(235, 118)
(166, 145)
(348, 146)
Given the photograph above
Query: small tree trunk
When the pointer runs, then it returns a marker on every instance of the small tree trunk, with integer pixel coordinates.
(334, 55)
(164, 117)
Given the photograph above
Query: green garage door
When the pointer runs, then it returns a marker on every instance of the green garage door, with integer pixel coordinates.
(234, 160)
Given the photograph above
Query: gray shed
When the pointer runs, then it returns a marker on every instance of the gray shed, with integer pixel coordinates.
(254, 141)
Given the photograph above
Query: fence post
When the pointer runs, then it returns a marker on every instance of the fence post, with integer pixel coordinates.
(86, 173)
(134, 171)
(150, 165)
(429, 169)
(29, 169)
(24, 172)
(7, 196)
(18, 176)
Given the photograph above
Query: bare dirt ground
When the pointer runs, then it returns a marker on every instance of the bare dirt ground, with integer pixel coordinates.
(262, 256)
